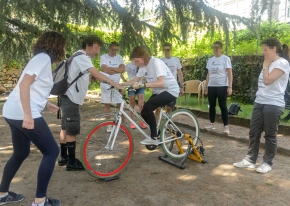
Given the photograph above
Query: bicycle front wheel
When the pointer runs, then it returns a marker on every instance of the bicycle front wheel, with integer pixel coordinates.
(100, 157)
(181, 122)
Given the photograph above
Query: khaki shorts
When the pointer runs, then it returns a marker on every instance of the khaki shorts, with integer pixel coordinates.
(70, 120)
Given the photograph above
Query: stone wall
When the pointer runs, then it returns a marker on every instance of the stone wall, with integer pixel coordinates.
(8, 79)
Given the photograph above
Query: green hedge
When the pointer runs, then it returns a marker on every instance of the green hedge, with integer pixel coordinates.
(246, 70)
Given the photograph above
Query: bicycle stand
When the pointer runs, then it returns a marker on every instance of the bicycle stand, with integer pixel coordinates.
(109, 179)
(189, 155)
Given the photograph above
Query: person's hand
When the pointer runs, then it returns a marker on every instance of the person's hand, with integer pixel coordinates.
(136, 85)
(181, 93)
(205, 91)
(267, 62)
(52, 107)
(230, 91)
(28, 122)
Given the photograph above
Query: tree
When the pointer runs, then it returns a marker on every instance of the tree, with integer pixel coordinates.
(21, 21)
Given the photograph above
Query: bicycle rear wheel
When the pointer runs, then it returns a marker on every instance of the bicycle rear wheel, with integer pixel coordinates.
(99, 158)
(181, 122)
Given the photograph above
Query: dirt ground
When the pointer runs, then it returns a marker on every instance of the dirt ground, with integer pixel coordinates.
(149, 181)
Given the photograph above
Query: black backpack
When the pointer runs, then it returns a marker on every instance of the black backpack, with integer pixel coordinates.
(60, 76)
(234, 109)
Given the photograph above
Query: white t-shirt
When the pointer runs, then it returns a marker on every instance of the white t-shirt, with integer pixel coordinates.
(273, 94)
(39, 65)
(155, 69)
(132, 71)
(80, 63)
(217, 69)
(173, 64)
(113, 62)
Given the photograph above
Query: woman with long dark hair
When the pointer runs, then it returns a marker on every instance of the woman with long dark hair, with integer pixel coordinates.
(22, 112)
(218, 85)
(269, 105)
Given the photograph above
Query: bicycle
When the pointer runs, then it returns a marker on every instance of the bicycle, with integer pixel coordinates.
(105, 154)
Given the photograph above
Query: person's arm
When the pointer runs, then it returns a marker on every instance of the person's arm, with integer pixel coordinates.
(52, 107)
(108, 70)
(103, 78)
(159, 83)
(269, 78)
(24, 87)
(131, 82)
(205, 84)
(180, 77)
(230, 79)
(120, 69)
(123, 78)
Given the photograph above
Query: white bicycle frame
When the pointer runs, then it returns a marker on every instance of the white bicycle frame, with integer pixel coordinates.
(118, 119)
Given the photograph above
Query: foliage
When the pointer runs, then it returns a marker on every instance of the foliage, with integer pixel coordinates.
(22, 21)
(246, 70)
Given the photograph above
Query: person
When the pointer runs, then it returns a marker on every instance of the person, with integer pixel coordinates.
(269, 105)
(132, 71)
(112, 65)
(74, 97)
(218, 85)
(22, 112)
(173, 63)
(160, 79)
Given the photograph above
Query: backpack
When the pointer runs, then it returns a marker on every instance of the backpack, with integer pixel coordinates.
(60, 76)
(234, 109)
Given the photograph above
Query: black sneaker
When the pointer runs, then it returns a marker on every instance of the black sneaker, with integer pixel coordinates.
(62, 161)
(49, 202)
(11, 197)
(77, 165)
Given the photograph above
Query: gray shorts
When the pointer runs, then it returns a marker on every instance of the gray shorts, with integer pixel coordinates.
(70, 120)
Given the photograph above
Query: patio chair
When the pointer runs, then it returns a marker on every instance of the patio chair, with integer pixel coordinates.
(191, 87)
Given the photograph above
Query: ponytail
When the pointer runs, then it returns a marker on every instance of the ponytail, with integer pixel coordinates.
(285, 53)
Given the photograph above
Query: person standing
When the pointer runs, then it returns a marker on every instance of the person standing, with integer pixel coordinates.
(132, 71)
(22, 112)
(75, 96)
(269, 105)
(112, 65)
(173, 63)
(218, 85)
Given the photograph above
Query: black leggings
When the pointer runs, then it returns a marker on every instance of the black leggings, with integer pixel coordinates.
(154, 102)
(221, 93)
(42, 138)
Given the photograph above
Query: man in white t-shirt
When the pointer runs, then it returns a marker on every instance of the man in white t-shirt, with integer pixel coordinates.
(74, 97)
(112, 65)
(173, 63)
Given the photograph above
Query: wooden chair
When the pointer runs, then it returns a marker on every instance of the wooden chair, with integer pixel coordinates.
(201, 88)
(191, 87)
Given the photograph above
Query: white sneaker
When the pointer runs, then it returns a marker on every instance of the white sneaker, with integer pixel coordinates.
(149, 141)
(109, 128)
(227, 130)
(264, 168)
(244, 164)
(210, 126)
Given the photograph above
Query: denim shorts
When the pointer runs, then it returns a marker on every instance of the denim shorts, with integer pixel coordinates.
(136, 92)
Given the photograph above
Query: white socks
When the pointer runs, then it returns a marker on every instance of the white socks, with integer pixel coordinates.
(1, 196)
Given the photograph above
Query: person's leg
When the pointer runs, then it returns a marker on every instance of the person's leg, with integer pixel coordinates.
(132, 104)
(168, 109)
(256, 129)
(272, 115)
(153, 103)
(106, 98)
(43, 139)
(107, 110)
(222, 94)
(140, 105)
(21, 149)
(212, 96)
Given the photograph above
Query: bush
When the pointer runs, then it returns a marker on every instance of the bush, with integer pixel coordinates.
(246, 70)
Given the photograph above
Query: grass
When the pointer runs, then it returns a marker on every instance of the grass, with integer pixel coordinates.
(192, 103)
